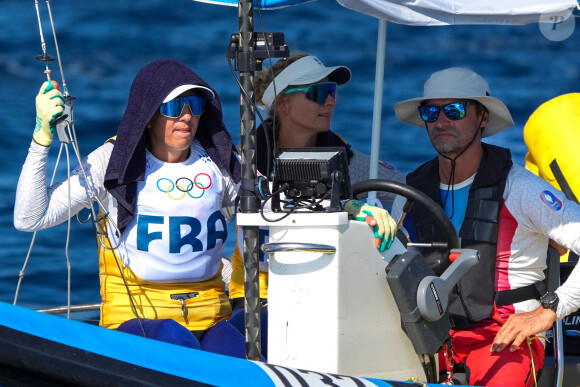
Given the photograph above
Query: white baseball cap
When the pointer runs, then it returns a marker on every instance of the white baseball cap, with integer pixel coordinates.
(207, 93)
(304, 71)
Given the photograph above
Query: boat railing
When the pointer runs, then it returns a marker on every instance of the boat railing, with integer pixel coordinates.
(71, 308)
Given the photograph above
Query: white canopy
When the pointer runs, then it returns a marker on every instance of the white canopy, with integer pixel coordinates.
(441, 12)
(446, 12)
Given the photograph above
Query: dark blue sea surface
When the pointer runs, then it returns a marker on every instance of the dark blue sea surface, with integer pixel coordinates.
(104, 43)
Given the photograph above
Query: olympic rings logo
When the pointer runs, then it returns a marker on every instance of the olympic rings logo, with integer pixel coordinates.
(192, 188)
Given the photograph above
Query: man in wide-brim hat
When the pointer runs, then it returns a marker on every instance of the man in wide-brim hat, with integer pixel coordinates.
(500, 209)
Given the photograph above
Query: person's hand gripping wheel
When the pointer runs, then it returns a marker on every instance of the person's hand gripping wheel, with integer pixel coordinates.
(379, 219)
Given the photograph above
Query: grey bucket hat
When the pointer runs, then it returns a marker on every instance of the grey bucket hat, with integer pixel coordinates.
(460, 83)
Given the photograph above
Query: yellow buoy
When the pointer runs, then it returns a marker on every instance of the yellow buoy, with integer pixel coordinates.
(552, 135)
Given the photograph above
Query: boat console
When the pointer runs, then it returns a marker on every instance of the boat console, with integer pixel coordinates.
(335, 303)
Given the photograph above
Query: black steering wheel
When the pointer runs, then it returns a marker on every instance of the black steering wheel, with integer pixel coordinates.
(413, 196)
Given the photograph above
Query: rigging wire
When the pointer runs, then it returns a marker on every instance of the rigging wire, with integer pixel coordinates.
(66, 249)
(271, 148)
(68, 106)
(44, 57)
(255, 107)
(67, 135)
(65, 90)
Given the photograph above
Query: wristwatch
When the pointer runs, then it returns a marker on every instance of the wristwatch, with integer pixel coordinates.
(550, 301)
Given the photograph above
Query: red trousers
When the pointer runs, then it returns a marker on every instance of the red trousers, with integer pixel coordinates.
(485, 368)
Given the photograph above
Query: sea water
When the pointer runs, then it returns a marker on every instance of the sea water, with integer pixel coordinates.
(103, 45)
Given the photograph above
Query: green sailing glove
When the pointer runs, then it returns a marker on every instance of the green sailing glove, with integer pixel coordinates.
(49, 105)
(386, 225)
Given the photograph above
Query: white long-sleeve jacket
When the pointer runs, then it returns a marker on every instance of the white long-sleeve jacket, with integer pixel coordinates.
(533, 212)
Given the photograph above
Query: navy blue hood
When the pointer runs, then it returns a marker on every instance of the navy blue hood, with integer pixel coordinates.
(127, 164)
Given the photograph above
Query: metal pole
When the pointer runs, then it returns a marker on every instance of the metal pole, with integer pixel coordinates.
(248, 201)
(71, 308)
(378, 105)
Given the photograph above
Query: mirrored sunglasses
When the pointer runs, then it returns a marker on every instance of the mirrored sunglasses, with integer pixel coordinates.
(454, 111)
(317, 92)
(174, 108)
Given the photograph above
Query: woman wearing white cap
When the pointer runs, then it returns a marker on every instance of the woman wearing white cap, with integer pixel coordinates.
(300, 102)
(500, 209)
(168, 182)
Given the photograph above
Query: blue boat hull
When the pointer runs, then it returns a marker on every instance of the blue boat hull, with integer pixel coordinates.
(41, 349)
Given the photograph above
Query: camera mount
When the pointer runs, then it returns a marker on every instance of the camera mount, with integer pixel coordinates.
(266, 45)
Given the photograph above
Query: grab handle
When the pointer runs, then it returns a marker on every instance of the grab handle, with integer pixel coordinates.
(270, 248)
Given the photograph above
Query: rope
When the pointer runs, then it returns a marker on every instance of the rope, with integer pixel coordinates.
(529, 343)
